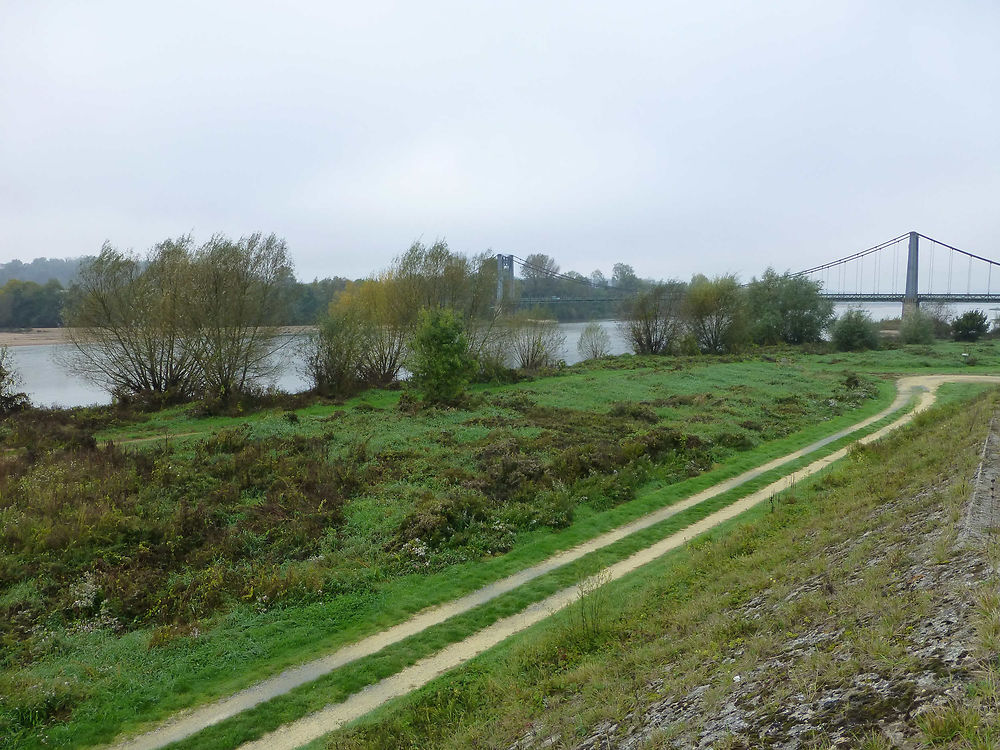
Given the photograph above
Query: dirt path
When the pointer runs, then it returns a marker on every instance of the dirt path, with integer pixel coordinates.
(315, 725)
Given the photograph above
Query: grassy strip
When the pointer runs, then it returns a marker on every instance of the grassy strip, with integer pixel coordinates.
(941, 357)
(338, 685)
(671, 626)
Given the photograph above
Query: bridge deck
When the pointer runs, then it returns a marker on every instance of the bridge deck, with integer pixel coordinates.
(920, 297)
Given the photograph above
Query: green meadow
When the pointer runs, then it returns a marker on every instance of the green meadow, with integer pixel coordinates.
(152, 562)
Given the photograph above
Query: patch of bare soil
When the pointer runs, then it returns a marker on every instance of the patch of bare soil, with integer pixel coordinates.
(853, 699)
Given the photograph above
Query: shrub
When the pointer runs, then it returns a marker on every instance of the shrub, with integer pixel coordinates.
(336, 353)
(785, 308)
(436, 518)
(489, 346)
(854, 331)
(653, 320)
(594, 342)
(969, 326)
(631, 410)
(536, 344)
(441, 363)
(716, 314)
(917, 327)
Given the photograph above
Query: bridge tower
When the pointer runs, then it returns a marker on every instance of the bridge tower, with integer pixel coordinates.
(911, 302)
(505, 270)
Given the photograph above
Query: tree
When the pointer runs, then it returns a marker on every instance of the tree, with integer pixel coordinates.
(969, 326)
(42, 270)
(310, 302)
(594, 342)
(535, 343)
(598, 279)
(653, 321)
(785, 308)
(916, 327)
(854, 331)
(25, 304)
(129, 324)
(538, 272)
(336, 353)
(623, 278)
(181, 321)
(387, 330)
(440, 362)
(940, 315)
(716, 313)
(429, 277)
(237, 301)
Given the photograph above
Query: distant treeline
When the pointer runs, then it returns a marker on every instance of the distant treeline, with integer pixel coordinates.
(33, 295)
(568, 296)
(43, 270)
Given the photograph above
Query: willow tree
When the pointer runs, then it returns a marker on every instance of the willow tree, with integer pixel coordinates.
(716, 313)
(384, 311)
(238, 300)
(652, 322)
(386, 330)
(786, 308)
(181, 321)
(128, 322)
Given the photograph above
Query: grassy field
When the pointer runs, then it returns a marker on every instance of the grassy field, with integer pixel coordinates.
(138, 579)
(827, 558)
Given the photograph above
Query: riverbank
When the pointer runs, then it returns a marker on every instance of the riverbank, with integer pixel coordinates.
(43, 336)
(33, 337)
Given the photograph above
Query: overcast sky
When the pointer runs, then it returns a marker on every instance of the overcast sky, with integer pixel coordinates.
(679, 137)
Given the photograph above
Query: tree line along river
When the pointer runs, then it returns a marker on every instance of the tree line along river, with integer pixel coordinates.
(48, 383)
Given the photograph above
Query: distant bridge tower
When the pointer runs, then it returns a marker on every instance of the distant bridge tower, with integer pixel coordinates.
(911, 302)
(505, 271)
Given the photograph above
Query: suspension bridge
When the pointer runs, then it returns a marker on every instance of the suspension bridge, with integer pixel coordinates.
(909, 269)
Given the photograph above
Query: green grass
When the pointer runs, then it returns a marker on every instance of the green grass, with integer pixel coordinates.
(111, 681)
(262, 643)
(343, 682)
(681, 621)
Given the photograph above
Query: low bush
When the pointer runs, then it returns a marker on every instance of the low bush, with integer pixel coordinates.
(854, 331)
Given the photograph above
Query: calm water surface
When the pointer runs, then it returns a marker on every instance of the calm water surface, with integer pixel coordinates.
(49, 383)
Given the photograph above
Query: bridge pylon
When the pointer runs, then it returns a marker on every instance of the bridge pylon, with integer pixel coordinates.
(505, 272)
(911, 301)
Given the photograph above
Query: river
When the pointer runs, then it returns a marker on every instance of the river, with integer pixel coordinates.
(49, 383)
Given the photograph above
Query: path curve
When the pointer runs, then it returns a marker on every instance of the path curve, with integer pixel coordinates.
(420, 673)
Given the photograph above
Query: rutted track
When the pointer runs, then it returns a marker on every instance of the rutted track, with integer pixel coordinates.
(315, 725)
